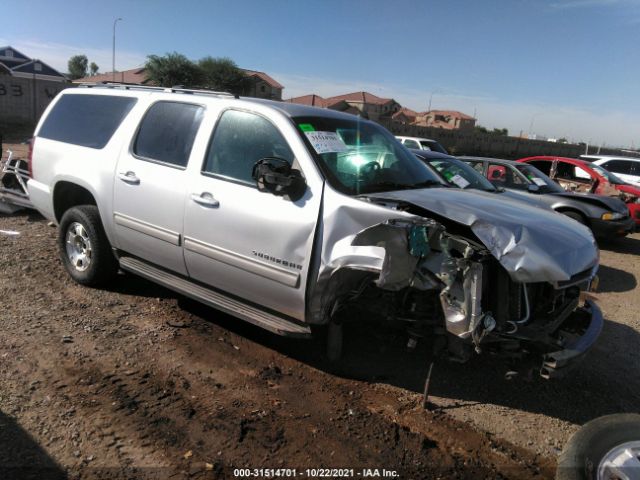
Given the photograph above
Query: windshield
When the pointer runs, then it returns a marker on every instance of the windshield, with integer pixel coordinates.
(535, 176)
(607, 174)
(357, 156)
(460, 174)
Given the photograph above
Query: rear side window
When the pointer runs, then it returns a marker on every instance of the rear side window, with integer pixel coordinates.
(411, 144)
(618, 166)
(239, 141)
(167, 132)
(86, 120)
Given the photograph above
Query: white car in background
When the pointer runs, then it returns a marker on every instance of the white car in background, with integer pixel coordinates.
(626, 168)
(422, 144)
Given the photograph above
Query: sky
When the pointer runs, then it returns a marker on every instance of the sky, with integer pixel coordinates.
(557, 68)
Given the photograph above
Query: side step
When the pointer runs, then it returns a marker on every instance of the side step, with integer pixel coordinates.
(229, 305)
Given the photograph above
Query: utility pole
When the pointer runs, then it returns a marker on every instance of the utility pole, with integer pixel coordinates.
(113, 66)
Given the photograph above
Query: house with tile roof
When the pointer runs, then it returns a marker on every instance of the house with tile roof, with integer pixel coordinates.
(135, 76)
(17, 64)
(369, 105)
(446, 119)
(405, 116)
(314, 100)
(261, 85)
(365, 104)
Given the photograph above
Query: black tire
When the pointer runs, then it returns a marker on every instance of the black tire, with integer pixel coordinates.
(589, 445)
(335, 341)
(100, 266)
(576, 216)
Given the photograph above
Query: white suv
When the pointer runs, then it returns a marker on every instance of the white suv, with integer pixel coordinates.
(418, 143)
(626, 168)
(292, 217)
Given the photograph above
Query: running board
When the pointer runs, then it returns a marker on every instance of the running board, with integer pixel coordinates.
(268, 321)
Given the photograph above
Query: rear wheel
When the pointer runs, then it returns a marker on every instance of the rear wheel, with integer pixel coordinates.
(84, 248)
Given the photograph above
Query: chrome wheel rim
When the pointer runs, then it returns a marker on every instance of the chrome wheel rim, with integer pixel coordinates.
(621, 462)
(78, 246)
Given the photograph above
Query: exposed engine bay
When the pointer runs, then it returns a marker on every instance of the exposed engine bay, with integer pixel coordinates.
(442, 280)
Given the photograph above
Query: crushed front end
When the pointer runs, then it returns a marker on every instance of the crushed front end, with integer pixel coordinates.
(483, 287)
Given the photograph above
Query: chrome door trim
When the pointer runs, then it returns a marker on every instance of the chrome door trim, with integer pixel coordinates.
(248, 264)
(147, 228)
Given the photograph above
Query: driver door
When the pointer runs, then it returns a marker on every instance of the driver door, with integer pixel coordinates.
(245, 242)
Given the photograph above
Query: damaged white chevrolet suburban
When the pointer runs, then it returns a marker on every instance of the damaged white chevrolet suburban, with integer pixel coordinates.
(289, 216)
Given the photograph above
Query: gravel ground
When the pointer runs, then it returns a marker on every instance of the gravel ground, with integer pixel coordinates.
(96, 384)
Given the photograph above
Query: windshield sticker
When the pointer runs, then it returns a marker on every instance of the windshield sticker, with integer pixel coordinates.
(306, 127)
(326, 142)
(540, 182)
(459, 181)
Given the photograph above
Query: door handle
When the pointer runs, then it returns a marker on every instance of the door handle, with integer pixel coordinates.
(129, 177)
(205, 199)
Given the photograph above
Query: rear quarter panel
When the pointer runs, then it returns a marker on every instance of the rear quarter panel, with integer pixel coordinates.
(93, 169)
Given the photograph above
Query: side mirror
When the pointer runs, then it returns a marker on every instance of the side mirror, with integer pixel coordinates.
(533, 188)
(275, 175)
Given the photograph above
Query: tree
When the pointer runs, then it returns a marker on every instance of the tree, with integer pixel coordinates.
(495, 131)
(222, 74)
(172, 69)
(93, 69)
(78, 66)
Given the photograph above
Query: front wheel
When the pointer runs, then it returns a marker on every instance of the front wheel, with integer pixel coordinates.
(576, 216)
(607, 448)
(84, 248)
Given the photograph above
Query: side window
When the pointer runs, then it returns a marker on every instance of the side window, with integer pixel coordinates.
(426, 146)
(565, 171)
(581, 174)
(411, 144)
(86, 120)
(543, 166)
(618, 166)
(167, 132)
(239, 140)
(478, 167)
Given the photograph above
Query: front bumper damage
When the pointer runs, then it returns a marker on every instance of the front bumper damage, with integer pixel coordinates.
(556, 364)
(496, 288)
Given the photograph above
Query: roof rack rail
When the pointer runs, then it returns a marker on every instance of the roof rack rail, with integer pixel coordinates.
(150, 88)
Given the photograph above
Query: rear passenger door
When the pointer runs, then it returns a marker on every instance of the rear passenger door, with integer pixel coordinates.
(150, 184)
(248, 243)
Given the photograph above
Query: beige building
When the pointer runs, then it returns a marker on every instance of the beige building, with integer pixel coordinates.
(261, 85)
(365, 104)
(447, 119)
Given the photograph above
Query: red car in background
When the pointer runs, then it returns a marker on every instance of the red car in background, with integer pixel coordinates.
(581, 176)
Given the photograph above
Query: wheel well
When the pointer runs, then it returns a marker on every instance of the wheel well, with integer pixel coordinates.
(67, 195)
(577, 212)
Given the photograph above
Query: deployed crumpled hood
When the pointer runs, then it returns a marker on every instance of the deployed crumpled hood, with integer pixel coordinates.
(611, 203)
(533, 245)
